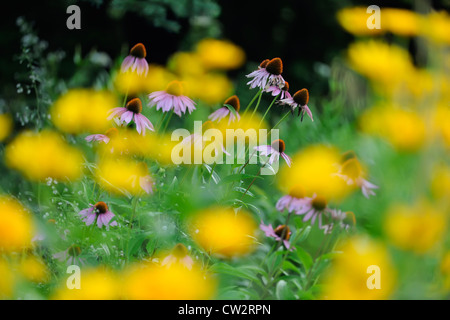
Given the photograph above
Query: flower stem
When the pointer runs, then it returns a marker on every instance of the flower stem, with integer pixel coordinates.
(257, 105)
(253, 100)
(268, 109)
(167, 122)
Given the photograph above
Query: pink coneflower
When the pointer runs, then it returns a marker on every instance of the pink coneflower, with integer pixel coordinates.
(136, 60)
(110, 133)
(70, 256)
(132, 111)
(172, 99)
(275, 150)
(283, 92)
(268, 74)
(294, 201)
(223, 112)
(299, 100)
(352, 173)
(101, 212)
(179, 254)
(280, 233)
(344, 220)
(145, 180)
(314, 209)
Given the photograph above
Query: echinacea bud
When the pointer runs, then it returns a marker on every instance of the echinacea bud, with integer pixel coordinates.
(301, 97)
(134, 105)
(264, 63)
(275, 66)
(234, 102)
(279, 145)
(138, 51)
(283, 232)
(101, 207)
(319, 203)
(175, 88)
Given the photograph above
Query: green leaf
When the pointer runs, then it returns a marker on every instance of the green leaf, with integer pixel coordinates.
(282, 291)
(231, 108)
(232, 271)
(305, 258)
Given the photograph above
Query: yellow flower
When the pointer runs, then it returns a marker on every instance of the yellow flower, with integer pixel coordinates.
(211, 88)
(6, 125)
(441, 123)
(7, 280)
(400, 21)
(445, 270)
(404, 129)
(16, 227)
(83, 110)
(220, 54)
(95, 284)
(440, 182)
(169, 282)
(42, 155)
(314, 169)
(33, 269)
(222, 232)
(121, 176)
(186, 64)
(362, 271)
(388, 65)
(418, 228)
(354, 20)
(436, 26)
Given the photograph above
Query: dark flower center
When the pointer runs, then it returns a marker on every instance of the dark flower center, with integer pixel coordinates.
(279, 145)
(134, 105)
(286, 86)
(283, 232)
(74, 251)
(264, 63)
(138, 51)
(319, 203)
(180, 251)
(301, 97)
(234, 102)
(275, 66)
(101, 207)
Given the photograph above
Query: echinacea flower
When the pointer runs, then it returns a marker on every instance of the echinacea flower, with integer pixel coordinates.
(110, 133)
(352, 173)
(268, 74)
(136, 60)
(314, 209)
(342, 219)
(275, 150)
(283, 92)
(294, 201)
(224, 111)
(172, 99)
(280, 233)
(179, 254)
(132, 111)
(70, 256)
(101, 212)
(299, 100)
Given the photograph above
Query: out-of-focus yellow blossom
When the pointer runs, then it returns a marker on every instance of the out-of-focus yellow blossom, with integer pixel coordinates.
(436, 27)
(354, 20)
(418, 228)
(7, 280)
(356, 269)
(42, 155)
(169, 282)
(404, 129)
(6, 125)
(388, 65)
(16, 226)
(186, 64)
(400, 21)
(121, 176)
(130, 83)
(83, 110)
(211, 88)
(445, 270)
(440, 182)
(220, 54)
(441, 123)
(33, 269)
(222, 232)
(95, 284)
(419, 83)
(315, 168)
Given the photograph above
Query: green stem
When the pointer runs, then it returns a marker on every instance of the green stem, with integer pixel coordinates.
(167, 122)
(160, 122)
(268, 109)
(257, 105)
(253, 100)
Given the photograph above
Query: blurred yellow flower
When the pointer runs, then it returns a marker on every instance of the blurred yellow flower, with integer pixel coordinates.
(16, 227)
(418, 228)
(95, 284)
(440, 182)
(6, 125)
(186, 64)
(220, 54)
(315, 169)
(436, 27)
(83, 110)
(400, 21)
(7, 280)
(169, 282)
(211, 88)
(222, 232)
(441, 123)
(404, 129)
(121, 176)
(354, 20)
(388, 65)
(363, 271)
(33, 269)
(39, 156)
